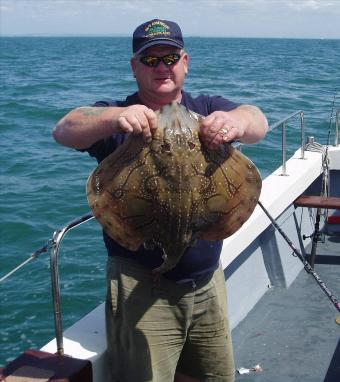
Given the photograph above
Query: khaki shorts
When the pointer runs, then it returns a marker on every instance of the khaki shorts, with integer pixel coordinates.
(154, 330)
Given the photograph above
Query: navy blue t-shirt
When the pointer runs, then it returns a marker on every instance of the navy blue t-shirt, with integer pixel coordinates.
(200, 259)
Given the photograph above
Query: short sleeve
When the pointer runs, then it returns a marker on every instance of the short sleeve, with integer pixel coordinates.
(223, 104)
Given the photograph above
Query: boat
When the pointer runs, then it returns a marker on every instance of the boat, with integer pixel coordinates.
(263, 263)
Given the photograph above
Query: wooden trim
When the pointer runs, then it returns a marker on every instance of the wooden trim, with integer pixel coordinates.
(317, 202)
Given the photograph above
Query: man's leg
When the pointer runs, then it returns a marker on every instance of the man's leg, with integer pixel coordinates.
(146, 323)
(208, 354)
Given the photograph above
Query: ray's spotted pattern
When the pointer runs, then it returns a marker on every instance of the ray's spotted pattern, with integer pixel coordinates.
(172, 191)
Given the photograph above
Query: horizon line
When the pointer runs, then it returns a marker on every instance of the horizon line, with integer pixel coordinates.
(188, 36)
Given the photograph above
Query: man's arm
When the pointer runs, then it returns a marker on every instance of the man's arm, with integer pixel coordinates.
(246, 123)
(84, 126)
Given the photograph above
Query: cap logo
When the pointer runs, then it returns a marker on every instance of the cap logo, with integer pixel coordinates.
(156, 32)
(157, 28)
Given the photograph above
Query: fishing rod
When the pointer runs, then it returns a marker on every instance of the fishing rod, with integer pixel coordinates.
(305, 263)
(33, 256)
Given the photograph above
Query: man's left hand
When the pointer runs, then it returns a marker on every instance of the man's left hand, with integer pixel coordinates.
(219, 127)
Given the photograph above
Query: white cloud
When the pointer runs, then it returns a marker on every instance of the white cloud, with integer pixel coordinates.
(313, 5)
(271, 18)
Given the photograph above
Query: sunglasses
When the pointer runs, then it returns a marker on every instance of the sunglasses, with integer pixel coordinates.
(153, 61)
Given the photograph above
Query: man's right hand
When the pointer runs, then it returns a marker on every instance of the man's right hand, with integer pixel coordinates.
(84, 126)
(138, 119)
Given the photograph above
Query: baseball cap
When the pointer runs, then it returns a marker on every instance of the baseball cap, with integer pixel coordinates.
(156, 32)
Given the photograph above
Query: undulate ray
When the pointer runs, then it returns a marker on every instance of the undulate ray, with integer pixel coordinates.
(173, 190)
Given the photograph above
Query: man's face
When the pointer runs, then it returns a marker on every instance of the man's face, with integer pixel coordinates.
(162, 80)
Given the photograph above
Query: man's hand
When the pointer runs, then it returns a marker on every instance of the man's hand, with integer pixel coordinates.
(220, 127)
(138, 119)
(84, 126)
(246, 123)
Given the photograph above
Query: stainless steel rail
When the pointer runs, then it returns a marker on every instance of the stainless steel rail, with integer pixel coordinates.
(283, 125)
(54, 254)
(337, 123)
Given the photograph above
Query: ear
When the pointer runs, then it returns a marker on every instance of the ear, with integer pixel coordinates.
(186, 60)
(133, 64)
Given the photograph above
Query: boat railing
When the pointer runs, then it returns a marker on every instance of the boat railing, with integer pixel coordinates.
(57, 238)
(337, 124)
(283, 125)
(53, 247)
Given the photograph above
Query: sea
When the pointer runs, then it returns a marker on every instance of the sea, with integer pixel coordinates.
(43, 183)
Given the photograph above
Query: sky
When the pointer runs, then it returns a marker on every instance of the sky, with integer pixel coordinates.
(220, 18)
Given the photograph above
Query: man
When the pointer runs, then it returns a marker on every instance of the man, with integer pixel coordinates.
(176, 329)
